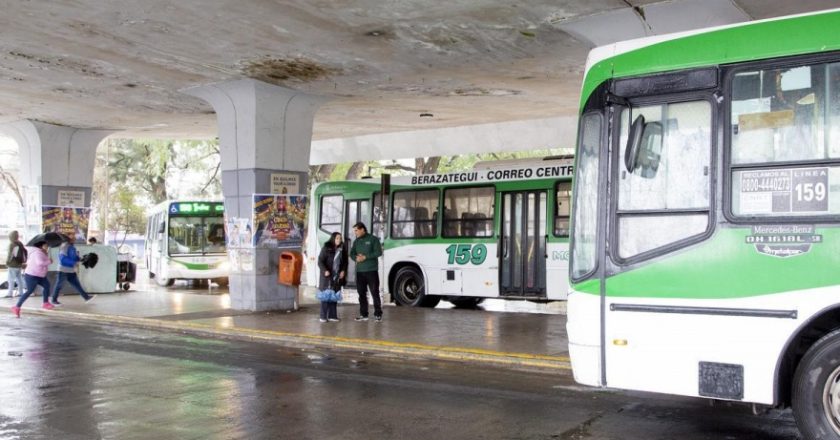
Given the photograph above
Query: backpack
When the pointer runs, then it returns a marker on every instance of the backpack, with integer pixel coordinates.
(89, 260)
(16, 259)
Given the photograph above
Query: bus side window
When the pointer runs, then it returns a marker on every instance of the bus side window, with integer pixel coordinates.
(562, 210)
(471, 213)
(332, 213)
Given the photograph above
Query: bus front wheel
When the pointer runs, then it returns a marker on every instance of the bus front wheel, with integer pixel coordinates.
(816, 390)
(164, 282)
(410, 289)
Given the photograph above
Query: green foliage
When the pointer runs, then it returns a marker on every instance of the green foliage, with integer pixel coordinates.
(125, 213)
(132, 175)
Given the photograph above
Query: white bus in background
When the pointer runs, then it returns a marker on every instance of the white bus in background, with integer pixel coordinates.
(185, 240)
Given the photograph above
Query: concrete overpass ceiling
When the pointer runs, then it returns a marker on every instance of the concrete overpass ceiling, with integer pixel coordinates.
(120, 64)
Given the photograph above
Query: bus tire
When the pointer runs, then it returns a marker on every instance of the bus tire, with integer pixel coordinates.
(465, 302)
(816, 390)
(410, 288)
(164, 282)
(222, 282)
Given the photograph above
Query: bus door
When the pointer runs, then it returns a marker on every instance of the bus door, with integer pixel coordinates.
(523, 243)
(354, 211)
(661, 205)
(159, 243)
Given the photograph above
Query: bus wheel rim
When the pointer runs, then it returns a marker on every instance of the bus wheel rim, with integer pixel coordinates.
(410, 289)
(831, 399)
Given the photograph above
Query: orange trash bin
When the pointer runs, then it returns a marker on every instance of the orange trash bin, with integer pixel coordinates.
(289, 268)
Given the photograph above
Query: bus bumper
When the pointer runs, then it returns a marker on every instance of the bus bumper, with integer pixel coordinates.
(584, 332)
(184, 273)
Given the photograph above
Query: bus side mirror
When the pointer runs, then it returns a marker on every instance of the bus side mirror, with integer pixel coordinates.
(650, 150)
(634, 142)
(162, 228)
(644, 147)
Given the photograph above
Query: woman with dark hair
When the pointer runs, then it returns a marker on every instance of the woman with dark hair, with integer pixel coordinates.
(333, 265)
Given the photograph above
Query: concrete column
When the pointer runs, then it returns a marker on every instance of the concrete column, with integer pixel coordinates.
(54, 158)
(262, 129)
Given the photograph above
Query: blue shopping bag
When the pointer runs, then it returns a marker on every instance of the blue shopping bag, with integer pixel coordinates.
(328, 295)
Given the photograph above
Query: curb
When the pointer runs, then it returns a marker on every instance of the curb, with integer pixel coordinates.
(302, 340)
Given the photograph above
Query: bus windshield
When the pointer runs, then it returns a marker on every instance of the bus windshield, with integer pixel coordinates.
(196, 235)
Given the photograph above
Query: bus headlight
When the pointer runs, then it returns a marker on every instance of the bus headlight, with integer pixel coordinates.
(224, 265)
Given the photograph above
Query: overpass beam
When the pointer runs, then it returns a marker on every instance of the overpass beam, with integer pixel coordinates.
(263, 129)
(54, 159)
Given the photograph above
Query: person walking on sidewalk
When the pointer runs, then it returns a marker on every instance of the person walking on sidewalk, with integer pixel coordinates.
(333, 264)
(35, 275)
(68, 261)
(15, 262)
(366, 251)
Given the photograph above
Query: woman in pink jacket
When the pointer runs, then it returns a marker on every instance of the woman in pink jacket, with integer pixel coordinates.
(36, 275)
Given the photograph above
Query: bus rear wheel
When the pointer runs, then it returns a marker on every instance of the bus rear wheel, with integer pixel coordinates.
(222, 282)
(816, 390)
(410, 289)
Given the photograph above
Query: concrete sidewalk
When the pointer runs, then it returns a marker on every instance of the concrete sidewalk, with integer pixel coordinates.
(519, 340)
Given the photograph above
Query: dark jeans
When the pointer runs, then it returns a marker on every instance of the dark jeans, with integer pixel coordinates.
(363, 281)
(31, 282)
(71, 278)
(329, 310)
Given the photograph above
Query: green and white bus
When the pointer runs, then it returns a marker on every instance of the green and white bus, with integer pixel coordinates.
(706, 223)
(185, 240)
(503, 232)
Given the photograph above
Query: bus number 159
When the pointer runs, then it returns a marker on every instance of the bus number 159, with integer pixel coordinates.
(466, 253)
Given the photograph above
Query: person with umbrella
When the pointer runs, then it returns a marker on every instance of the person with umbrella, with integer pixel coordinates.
(35, 274)
(68, 260)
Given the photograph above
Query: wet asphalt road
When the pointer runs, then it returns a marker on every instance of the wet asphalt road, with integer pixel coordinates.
(65, 381)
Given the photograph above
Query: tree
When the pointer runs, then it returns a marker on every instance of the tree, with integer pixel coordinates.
(126, 215)
(427, 165)
(10, 173)
(134, 174)
(355, 170)
(143, 164)
(9, 180)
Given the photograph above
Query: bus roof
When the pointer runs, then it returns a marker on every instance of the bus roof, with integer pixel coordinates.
(790, 35)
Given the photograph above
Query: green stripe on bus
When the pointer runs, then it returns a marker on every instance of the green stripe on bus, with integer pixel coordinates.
(727, 267)
(192, 266)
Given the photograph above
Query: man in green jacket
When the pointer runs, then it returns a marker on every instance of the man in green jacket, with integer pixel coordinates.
(366, 251)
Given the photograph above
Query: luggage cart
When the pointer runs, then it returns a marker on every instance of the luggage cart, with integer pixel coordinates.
(126, 271)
